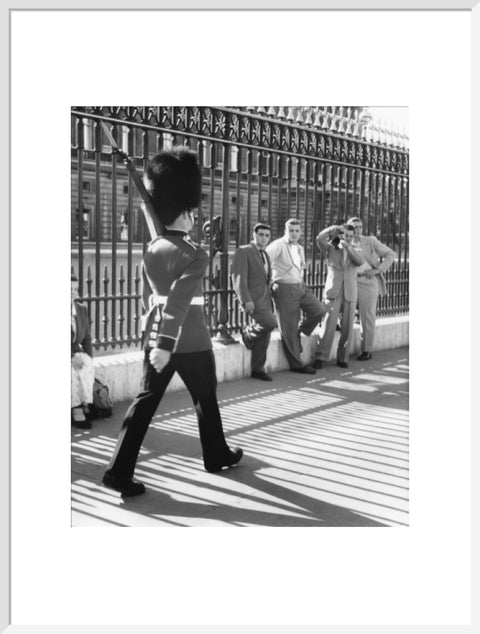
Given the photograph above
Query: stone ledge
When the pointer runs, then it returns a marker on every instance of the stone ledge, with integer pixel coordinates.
(122, 372)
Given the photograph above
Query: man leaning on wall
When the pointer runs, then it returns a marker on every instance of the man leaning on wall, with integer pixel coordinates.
(251, 276)
(292, 295)
(371, 283)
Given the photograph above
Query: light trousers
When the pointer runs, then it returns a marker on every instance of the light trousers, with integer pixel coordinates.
(334, 306)
(367, 308)
(82, 381)
(290, 301)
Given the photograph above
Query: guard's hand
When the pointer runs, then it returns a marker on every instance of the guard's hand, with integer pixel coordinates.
(77, 362)
(249, 307)
(159, 358)
(372, 273)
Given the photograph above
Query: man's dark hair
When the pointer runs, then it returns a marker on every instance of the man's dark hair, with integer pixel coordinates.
(174, 181)
(349, 227)
(261, 225)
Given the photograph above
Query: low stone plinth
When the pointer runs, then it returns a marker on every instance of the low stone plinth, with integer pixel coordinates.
(122, 372)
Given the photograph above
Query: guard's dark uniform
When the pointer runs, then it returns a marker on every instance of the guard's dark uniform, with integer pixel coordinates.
(174, 267)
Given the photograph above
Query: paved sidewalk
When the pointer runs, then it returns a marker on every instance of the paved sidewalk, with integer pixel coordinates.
(329, 449)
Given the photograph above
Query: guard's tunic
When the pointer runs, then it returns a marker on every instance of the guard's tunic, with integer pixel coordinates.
(173, 270)
(174, 267)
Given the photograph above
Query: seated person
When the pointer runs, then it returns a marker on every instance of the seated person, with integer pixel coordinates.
(82, 369)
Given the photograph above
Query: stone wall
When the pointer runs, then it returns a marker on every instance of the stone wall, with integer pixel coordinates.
(122, 372)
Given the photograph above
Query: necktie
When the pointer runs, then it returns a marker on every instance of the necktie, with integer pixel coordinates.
(265, 261)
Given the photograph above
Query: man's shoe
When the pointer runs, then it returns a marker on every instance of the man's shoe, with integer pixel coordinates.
(128, 487)
(82, 424)
(248, 343)
(79, 420)
(317, 364)
(342, 364)
(260, 374)
(234, 457)
(365, 356)
(304, 369)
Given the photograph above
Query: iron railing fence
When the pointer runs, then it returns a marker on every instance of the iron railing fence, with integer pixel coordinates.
(256, 167)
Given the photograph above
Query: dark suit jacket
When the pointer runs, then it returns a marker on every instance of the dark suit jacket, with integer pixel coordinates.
(250, 282)
(82, 340)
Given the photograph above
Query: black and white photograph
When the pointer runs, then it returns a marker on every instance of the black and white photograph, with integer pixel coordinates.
(240, 311)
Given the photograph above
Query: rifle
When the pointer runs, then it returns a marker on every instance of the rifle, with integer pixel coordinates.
(155, 227)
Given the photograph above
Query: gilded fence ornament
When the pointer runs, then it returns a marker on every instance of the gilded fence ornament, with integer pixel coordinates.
(276, 136)
(291, 113)
(256, 132)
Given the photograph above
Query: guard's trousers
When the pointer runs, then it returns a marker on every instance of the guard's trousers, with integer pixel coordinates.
(197, 370)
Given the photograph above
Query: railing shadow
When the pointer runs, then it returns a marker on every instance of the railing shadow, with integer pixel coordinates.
(321, 452)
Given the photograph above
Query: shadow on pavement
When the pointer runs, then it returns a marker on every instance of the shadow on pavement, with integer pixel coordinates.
(325, 450)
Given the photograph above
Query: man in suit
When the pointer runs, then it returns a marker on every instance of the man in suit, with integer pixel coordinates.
(251, 274)
(342, 260)
(176, 338)
(292, 295)
(371, 283)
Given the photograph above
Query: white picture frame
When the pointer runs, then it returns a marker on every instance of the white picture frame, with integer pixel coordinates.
(10, 408)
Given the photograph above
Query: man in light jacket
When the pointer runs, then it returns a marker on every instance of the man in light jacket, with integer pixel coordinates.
(371, 283)
(342, 260)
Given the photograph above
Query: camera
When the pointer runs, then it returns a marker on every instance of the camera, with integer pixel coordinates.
(335, 241)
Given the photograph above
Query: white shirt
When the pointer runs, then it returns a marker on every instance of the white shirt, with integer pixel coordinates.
(295, 254)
